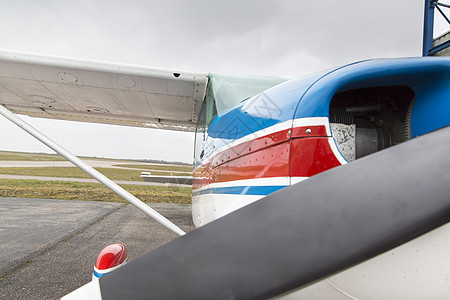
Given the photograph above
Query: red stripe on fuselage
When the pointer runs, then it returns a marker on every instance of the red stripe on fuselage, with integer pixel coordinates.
(269, 162)
(311, 156)
(252, 146)
(309, 131)
(274, 155)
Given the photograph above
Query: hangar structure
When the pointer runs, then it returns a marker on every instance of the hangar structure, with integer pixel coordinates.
(439, 46)
(444, 38)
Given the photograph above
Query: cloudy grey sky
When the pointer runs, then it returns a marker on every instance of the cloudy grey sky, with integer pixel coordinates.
(273, 37)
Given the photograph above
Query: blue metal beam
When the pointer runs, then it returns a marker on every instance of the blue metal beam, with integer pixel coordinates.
(444, 5)
(428, 23)
(442, 13)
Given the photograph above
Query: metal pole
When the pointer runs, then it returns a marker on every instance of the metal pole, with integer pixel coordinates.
(443, 14)
(443, 4)
(428, 22)
(89, 170)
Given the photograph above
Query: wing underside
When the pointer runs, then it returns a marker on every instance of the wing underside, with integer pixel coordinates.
(88, 91)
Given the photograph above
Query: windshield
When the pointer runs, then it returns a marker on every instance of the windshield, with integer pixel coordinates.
(227, 91)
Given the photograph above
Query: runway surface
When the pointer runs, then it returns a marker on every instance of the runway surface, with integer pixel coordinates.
(48, 247)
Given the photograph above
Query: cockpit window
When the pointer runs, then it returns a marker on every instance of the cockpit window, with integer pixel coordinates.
(211, 111)
(227, 91)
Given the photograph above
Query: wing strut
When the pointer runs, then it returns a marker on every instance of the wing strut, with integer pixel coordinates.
(91, 171)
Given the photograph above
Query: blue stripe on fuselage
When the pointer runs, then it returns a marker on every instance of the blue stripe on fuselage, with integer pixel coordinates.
(240, 190)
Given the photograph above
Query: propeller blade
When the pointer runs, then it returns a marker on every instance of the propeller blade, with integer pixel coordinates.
(302, 233)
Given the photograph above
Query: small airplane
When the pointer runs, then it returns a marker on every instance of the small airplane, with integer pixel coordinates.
(333, 185)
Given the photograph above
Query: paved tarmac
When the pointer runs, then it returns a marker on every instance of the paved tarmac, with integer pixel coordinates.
(48, 247)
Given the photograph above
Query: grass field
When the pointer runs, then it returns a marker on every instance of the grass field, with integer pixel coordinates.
(6, 155)
(87, 191)
(73, 172)
(90, 191)
(26, 156)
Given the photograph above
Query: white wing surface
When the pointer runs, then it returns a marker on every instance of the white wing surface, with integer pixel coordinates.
(89, 91)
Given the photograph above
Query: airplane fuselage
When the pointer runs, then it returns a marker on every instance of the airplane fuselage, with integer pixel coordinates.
(303, 127)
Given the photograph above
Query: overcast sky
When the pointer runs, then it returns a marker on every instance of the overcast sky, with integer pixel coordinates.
(280, 38)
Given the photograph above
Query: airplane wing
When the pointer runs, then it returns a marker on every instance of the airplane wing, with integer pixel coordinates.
(90, 91)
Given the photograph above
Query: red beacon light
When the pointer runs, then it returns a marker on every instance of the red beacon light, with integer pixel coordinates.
(109, 259)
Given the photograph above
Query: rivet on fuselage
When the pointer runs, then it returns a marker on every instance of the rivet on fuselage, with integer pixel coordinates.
(308, 131)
